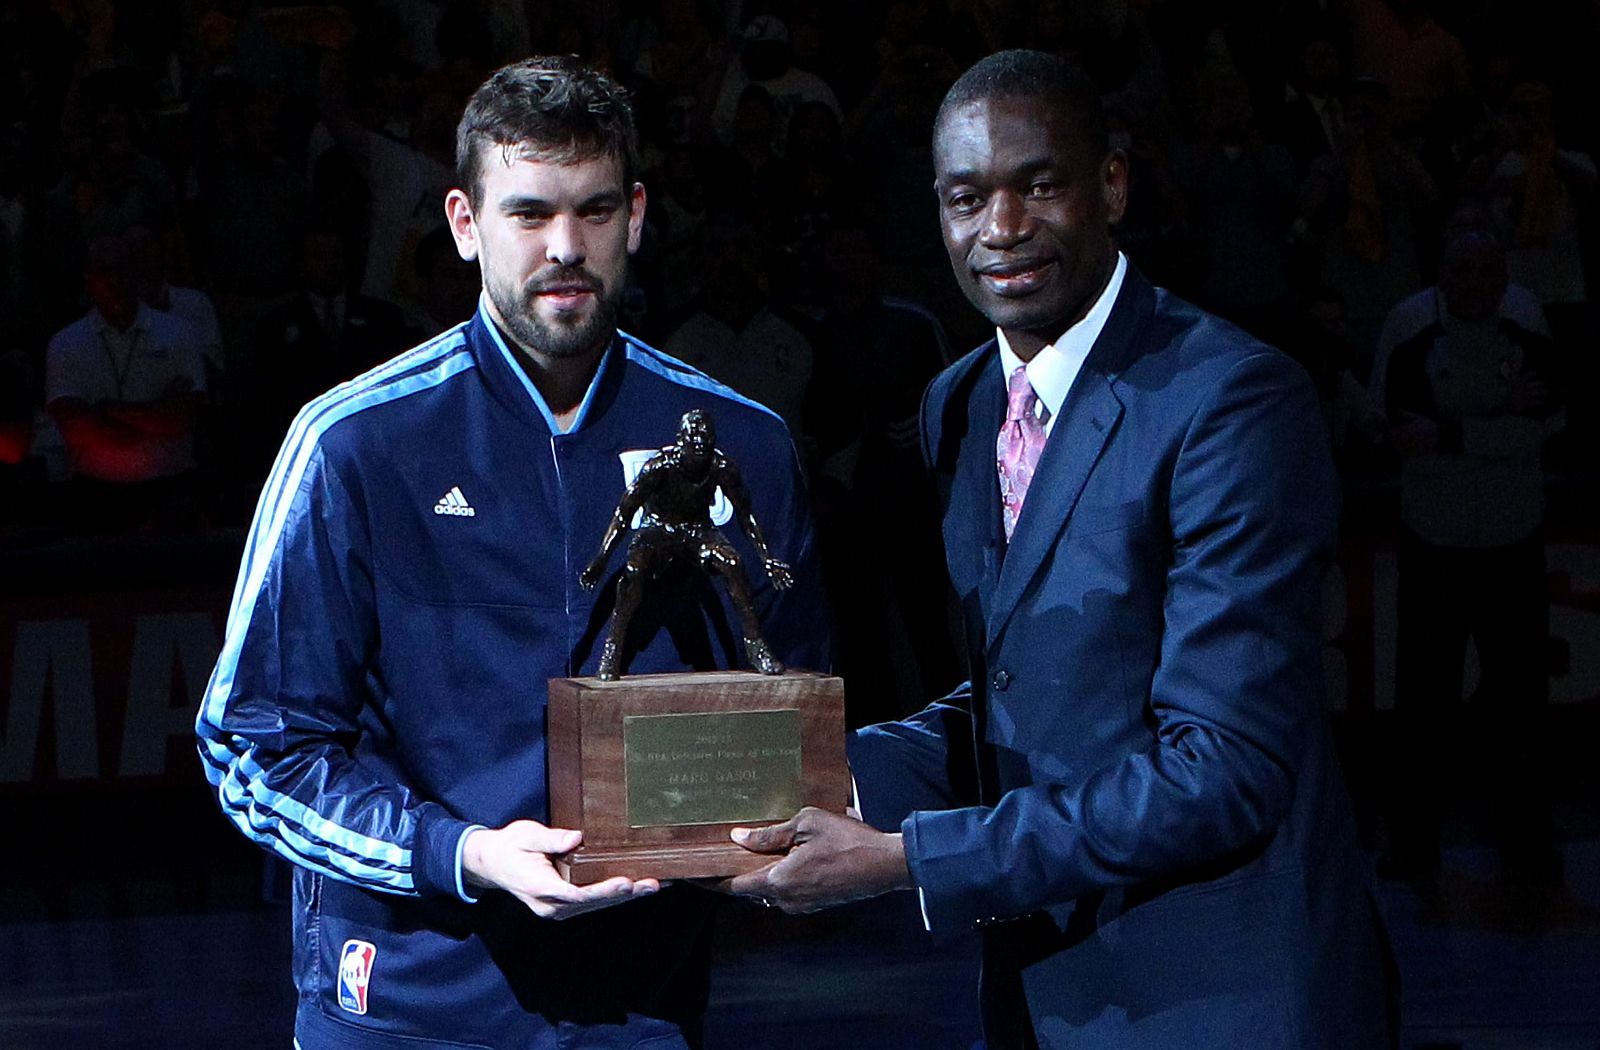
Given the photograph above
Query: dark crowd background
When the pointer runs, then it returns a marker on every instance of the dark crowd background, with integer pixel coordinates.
(244, 198)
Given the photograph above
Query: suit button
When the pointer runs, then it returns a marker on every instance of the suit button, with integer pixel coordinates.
(1000, 681)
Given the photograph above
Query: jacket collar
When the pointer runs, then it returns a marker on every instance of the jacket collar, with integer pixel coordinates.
(508, 380)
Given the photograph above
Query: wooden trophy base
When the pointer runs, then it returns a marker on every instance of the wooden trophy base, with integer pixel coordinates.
(656, 770)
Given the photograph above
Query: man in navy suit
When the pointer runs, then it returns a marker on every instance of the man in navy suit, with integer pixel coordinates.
(1135, 795)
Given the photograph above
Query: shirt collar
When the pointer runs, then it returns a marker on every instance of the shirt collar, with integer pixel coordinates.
(1053, 368)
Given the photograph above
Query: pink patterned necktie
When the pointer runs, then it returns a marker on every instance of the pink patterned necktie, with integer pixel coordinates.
(1017, 450)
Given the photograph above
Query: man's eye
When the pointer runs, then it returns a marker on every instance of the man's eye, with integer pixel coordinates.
(599, 216)
(1043, 189)
(964, 202)
(529, 218)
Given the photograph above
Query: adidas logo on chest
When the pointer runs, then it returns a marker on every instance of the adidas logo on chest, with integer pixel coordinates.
(454, 504)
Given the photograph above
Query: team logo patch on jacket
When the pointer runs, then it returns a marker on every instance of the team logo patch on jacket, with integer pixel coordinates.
(355, 974)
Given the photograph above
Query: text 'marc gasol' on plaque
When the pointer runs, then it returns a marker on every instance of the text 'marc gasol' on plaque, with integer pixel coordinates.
(710, 768)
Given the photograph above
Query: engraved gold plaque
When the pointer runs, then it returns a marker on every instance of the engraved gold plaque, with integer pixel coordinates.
(727, 767)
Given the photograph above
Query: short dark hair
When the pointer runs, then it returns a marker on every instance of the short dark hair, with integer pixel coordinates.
(559, 108)
(1033, 75)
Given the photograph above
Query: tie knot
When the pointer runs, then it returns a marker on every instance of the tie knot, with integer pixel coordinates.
(1022, 404)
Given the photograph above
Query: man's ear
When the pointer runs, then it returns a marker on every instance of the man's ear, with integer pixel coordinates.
(636, 203)
(463, 227)
(1114, 177)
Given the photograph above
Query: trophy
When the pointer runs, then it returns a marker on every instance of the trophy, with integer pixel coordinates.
(656, 769)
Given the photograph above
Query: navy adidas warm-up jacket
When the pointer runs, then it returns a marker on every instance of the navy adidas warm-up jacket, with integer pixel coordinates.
(409, 585)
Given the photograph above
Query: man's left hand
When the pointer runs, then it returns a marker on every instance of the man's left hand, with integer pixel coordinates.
(830, 860)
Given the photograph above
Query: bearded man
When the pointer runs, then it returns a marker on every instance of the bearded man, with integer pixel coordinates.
(411, 582)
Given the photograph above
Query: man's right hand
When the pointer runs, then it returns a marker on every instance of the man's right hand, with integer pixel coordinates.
(517, 859)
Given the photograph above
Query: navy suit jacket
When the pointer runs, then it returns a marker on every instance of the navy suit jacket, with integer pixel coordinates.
(1135, 795)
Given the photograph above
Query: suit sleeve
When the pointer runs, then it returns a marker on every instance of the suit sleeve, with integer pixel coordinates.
(921, 762)
(282, 712)
(1235, 699)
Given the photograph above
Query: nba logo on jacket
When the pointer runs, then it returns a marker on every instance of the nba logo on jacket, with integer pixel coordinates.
(355, 973)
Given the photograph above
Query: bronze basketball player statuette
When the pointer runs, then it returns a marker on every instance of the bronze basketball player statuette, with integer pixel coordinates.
(675, 490)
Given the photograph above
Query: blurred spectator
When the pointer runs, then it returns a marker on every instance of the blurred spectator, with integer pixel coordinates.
(125, 385)
(766, 60)
(1365, 208)
(737, 337)
(672, 66)
(1471, 396)
(1153, 231)
(1536, 189)
(677, 214)
(815, 181)
(890, 136)
(1476, 276)
(743, 176)
(413, 27)
(1241, 192)
(434, 35)
(147, 258)
(250, 202)
(447, 285)
(16, 228)
(1422, 64)
(1129, 66)
(325, 334)
(112, 184)
(918, 25)
(405, 180)
(1311, 123)
(37, 53)
(828, 38)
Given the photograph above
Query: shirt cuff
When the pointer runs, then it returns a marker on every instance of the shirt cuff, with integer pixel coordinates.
(461, 846)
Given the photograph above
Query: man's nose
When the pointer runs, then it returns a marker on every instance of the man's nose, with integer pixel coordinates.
(1008, 222)
(564, 242)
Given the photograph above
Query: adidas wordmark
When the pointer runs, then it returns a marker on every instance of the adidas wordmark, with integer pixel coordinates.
(453, 502)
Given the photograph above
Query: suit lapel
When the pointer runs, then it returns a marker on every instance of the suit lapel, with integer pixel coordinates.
(1088, 418)
(973, 516)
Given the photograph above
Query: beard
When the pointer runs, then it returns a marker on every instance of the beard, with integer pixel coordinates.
(566, 337)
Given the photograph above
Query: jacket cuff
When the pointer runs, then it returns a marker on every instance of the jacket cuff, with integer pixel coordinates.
(952, 900)
(436, 857)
